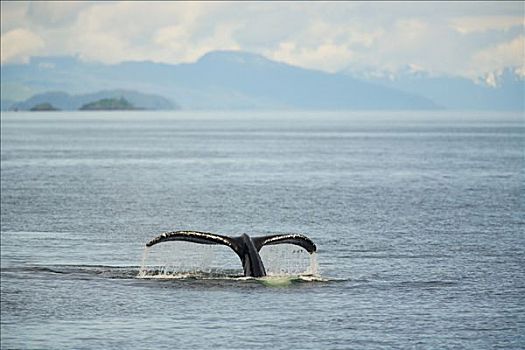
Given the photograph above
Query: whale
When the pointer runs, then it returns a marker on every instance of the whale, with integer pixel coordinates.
(247, 248)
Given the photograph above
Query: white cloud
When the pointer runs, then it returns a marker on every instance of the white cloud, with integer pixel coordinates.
(175, 43)
(19, 45)
(324, 57)
(520, 72)
(163, 32)
(13, 15)
(469, 25)
(440, 38)
(491, 61)
(54, 13)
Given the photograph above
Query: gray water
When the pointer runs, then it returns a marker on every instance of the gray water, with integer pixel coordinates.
(418, 218)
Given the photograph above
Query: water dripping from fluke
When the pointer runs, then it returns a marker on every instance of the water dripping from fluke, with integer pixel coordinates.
(283, 258)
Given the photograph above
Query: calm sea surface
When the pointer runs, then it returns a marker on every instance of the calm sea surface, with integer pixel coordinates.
(419, 219)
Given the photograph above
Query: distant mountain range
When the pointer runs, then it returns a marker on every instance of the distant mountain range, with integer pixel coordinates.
(456, 92)
(64, 101)
(240, 80)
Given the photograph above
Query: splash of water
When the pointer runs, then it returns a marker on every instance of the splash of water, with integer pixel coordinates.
(288, 260)
(143, 268)
(313, 269)
(186, 260)
(190, 260)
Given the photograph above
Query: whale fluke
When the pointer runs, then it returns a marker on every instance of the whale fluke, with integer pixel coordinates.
(289, 238)
(246, 247)
(193, 236)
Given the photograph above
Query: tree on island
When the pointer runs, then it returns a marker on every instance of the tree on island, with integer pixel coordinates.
(109, 104)
(41, 107)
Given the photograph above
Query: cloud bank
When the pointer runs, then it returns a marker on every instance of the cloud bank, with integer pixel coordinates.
(477, 40)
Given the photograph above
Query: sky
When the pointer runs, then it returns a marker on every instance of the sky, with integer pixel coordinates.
(477, 40)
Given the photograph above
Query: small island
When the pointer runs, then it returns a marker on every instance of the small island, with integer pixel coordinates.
(43, 107)
(109, 104)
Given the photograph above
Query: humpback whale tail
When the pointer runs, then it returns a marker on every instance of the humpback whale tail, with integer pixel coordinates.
(246, 247)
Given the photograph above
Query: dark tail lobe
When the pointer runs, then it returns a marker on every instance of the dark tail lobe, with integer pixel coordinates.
(290, 238)
(196, 237)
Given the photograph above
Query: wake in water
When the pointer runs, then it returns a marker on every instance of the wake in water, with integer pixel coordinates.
(185, 260)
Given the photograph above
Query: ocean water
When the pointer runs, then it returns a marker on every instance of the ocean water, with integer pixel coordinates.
(419, 220)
